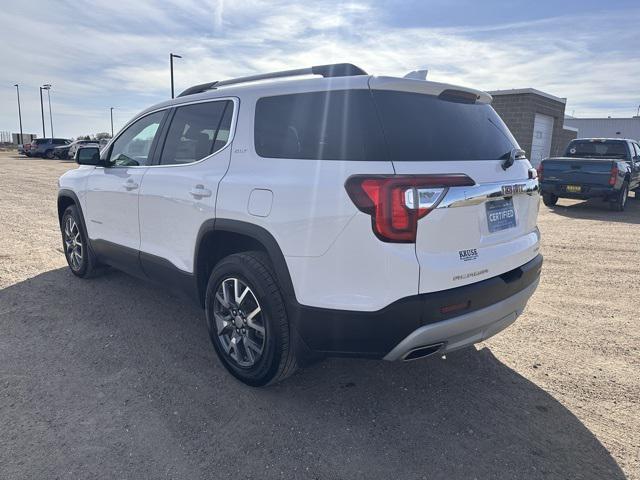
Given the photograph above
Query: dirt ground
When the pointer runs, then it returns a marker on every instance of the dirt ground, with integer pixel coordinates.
(113, 378)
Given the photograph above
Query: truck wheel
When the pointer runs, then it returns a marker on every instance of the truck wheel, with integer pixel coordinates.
(247, 320)
(75, 244)
(549, 199)
(621, 200)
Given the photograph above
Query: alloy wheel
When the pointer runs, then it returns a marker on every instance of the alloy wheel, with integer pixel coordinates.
(239, 322)
(73, 243)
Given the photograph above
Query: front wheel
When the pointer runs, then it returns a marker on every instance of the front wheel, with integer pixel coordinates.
(49, 154)
(247, 320)
(80, 258)
(549, 199)
(621, 200)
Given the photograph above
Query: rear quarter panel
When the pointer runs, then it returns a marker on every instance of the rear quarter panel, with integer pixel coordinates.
(333, 256)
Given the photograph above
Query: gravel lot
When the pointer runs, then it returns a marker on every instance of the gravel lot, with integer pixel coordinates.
(113, 378)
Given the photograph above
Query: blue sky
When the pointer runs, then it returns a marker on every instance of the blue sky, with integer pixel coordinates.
(115, 53)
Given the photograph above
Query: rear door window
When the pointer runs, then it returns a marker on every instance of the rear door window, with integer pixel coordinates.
(330, 125)
(197, 131)
(421, 127)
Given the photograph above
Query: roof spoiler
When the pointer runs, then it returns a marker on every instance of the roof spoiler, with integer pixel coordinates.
(332, 70)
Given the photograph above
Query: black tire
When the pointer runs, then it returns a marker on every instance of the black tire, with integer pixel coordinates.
(87, 266)
(621, 200)
(277, 359)
(49, 154)
(549, 199)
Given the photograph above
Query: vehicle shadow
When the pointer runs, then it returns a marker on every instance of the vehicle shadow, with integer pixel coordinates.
(113, 375)
(596, 209)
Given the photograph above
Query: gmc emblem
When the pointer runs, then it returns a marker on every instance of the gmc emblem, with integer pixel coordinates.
(513, 189)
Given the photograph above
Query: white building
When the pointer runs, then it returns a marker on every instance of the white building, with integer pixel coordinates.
(605, 127)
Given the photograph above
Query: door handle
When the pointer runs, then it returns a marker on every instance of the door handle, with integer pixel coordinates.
(130, 184)
(199, 191)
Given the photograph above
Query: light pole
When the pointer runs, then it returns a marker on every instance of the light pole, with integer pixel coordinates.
(44, 134)
(111, 111)
(47, 87)
(19, 113)
(171, 57)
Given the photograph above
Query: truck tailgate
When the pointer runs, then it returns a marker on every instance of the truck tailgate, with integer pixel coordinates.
(577, 171)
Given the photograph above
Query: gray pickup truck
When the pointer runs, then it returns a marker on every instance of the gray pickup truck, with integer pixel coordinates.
(606, 168)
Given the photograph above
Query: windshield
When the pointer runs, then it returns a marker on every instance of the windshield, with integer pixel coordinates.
(597, 149)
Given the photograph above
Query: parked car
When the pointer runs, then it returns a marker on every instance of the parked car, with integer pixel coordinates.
(606, 168)
(61, 152)
(44, 147)
(347, 215)
(26, 149)
(73, 146)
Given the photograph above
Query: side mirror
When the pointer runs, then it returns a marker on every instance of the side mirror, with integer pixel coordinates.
(88, 156)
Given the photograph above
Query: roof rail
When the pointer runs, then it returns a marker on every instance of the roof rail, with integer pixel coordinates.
(333, 70)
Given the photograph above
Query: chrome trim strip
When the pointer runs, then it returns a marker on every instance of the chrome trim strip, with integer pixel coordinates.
(477, 194)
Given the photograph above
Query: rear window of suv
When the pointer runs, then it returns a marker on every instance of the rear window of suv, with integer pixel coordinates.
(421, 127)
(354, 124)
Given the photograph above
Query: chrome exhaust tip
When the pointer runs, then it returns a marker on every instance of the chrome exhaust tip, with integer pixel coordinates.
(422, 352)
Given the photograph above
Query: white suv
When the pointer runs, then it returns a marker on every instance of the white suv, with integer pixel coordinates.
(342, 214)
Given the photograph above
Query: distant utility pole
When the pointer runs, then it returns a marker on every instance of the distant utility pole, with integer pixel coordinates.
(19, 113)
(171, 57)
(44, 134)
(111, 111)
(47, 87)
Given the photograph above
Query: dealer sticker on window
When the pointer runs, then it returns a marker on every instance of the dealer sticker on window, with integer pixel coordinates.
(500, 215)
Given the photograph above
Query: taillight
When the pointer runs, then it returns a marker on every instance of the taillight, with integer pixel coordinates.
(540, 172)
(614, 175)
(397, 202)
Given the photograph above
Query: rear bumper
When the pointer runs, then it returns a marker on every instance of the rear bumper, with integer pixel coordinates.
(466, 329)
(456, 317)
(588, 191)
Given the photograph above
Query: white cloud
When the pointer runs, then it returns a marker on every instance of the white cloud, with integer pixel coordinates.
(116, 53)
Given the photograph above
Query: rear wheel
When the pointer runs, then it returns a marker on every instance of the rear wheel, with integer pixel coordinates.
(621, 200)
(247, 320)
(549, 199)
(48, 154)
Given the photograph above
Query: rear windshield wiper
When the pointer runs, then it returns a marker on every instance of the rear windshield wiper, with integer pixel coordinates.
(513, 154)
